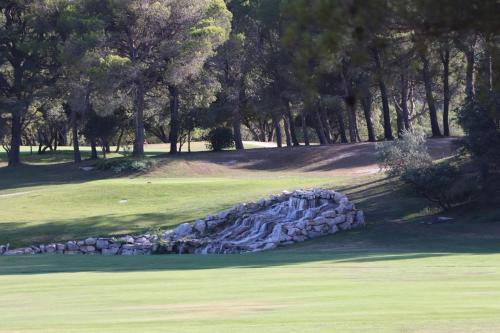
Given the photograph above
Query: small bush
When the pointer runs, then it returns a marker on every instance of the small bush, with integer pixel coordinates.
(404, 154)
(220, 138)
(121, 165)
(443, 184)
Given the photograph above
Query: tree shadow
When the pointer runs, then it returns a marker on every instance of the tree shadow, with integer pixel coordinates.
(393, 232)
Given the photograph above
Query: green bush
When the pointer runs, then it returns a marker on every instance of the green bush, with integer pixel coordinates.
(443, 184)
(404, 154)
(220, 138)
(124, 165)
(482, 138)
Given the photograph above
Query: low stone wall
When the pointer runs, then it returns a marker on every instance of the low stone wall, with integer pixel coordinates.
(275, 221)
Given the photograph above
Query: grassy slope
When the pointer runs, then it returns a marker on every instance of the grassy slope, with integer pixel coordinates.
(397, 275)
(68, 211)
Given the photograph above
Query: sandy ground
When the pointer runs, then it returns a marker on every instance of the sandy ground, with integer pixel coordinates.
(340, 159)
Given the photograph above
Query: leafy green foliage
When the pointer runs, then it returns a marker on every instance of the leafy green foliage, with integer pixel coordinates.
(404, 154)
(443, 184)
(126, 165)
(220, 138)
(482, 134)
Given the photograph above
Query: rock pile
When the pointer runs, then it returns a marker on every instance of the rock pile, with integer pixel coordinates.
(278, 220)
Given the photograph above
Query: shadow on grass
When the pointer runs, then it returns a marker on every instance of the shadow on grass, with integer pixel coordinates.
(393, 233)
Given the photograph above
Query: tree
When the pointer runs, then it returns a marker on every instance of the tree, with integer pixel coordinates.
(165, 42)
(28, 61)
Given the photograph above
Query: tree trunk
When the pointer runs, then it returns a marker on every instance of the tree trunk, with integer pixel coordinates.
(340, 120)
(351, 114)
(77, 156)
(445, 59)
(93, 149)
(436, 132)
(469, 77)
(304, 127)
(320, 129)
(383, 94)
(326, 126)
(238, 141)
(293, 130)
(139, 121)
(288, 137)
(279, 135)
(119, 141)
(15, 142)
(367, 110)
(174, 119)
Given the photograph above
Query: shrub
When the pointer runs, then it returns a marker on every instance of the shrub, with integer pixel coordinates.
(220, 138)
(121, 165)
(482, 138)
(443, 184)
(404, 154)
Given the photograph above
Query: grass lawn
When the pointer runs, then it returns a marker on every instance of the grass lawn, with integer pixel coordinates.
(324, 286)
(77, 210)
(396, 275)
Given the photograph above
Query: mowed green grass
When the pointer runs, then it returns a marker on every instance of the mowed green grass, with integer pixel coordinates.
(395, 275)
(126, 205)
(301, 289)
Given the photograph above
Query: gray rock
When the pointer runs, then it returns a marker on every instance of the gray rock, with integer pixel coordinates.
(111, 251)
(15, 252)
(102, 244)
(90, 241)
(141, 240)
(127, 239)
(183, 230)
(60, 247)
(51, 248)
(345, 226)
(200, 226)
(72, 246)
(87, 249)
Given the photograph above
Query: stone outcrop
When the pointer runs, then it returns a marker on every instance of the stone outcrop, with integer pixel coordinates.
(278, 220)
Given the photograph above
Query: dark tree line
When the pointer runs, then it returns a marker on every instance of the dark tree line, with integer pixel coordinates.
(109, 73)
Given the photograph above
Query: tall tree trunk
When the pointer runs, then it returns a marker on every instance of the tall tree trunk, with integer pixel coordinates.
(279, 134)
(293, 130)
(139, 121)
(288, 137)
(15, 140)
(320, 129)
(405, 113)
(238, 141)
(469, 77)
(342, 132)
(326, 126)
(383, 94)
(367, 110)
(119, 141)
(304, 127)
(436, 132)
(93, 149)
(445, 59)
(77, 156)
(350, 102)
(237, 129)
(174, 119)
